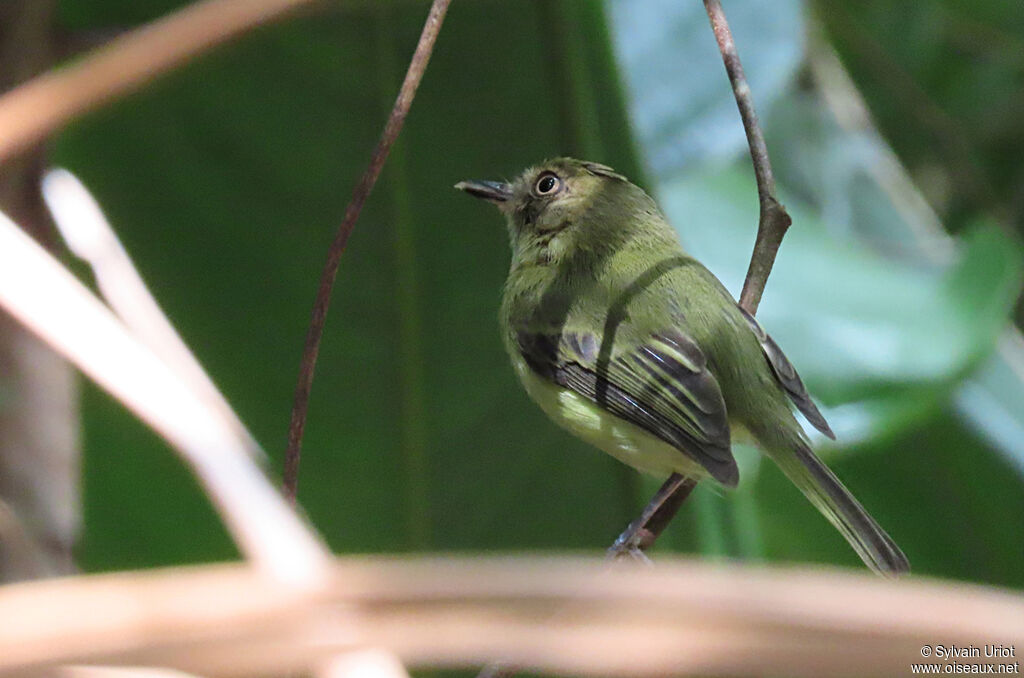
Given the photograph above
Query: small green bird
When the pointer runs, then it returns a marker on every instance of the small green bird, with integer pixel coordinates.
(634, 346)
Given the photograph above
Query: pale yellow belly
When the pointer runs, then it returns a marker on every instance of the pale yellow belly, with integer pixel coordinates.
(626, 442)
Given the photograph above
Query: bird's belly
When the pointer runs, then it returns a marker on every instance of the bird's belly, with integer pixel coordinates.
(623, 440)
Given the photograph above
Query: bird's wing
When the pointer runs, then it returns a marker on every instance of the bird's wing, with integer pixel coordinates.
(786, 375)
(661, 385)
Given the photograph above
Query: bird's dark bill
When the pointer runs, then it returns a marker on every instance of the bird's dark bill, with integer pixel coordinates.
(495, 191)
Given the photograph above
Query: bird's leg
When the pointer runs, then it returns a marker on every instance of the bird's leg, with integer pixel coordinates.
(645, 530)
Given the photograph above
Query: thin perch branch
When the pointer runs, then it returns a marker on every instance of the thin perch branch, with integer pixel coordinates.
(772, 226)
(413, 75)
(774, 221)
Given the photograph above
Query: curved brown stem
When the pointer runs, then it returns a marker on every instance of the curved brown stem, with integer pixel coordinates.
(774, 220)
(773, 223)
(413, 75)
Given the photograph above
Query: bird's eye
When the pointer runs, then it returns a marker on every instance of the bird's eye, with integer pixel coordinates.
(547, 184)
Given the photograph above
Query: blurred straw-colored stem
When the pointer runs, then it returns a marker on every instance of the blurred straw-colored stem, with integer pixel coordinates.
(41, 294)
(79, 671)
(32, 111)
(560, 615)
(364, 663)
(90, 237)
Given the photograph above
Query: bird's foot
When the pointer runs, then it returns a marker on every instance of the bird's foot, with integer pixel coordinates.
(631, 545)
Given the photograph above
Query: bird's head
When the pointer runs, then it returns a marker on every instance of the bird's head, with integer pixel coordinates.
(563, 206)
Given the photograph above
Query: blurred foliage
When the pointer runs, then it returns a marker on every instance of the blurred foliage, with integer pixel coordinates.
(944, 82)
(227, 179)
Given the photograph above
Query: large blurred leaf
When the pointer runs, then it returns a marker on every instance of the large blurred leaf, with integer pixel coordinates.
(855, 180)
(993, 399)
(680, 99)
(854, 321)
(943, 81)
(850, 336)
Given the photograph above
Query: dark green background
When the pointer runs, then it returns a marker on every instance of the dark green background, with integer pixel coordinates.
(227, 179)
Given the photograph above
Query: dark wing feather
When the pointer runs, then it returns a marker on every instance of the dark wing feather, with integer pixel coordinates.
(787, 376)
(662, 386)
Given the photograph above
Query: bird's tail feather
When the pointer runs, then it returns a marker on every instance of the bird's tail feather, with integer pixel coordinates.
(824, 490)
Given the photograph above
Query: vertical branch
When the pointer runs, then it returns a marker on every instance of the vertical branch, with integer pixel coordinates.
(774, 221)
(772, 226)
(39, 446)
(413, 75)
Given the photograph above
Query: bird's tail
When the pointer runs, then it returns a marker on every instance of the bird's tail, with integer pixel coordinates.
(824, 490)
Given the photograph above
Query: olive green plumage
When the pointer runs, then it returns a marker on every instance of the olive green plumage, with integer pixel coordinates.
(631, 344)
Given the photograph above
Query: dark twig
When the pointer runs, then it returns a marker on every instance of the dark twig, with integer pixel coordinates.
(413, 75)
(774, 221)
(772, 226)
(642, 532)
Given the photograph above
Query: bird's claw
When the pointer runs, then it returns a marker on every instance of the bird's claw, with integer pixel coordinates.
(627, 552)
(630, 546)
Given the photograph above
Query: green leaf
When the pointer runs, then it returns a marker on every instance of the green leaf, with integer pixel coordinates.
(852, 320)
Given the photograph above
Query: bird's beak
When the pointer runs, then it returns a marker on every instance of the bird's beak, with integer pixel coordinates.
(494, 191)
